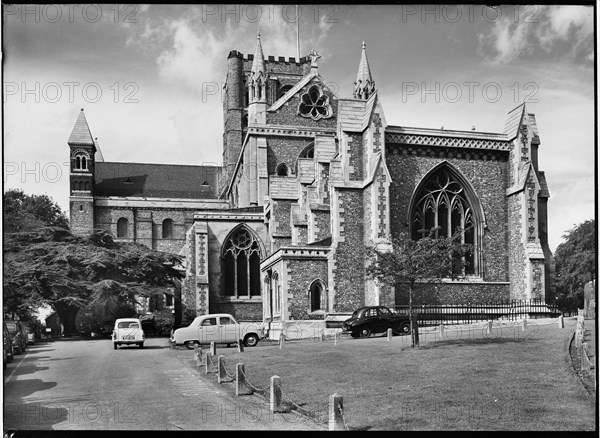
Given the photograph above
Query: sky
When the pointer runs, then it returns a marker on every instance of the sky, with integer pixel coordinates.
(150, 79)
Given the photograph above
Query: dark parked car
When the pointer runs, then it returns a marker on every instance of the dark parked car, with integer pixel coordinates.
(375, 319)
(106, 329)
(30, 332)
(7, 348)
(17, 331)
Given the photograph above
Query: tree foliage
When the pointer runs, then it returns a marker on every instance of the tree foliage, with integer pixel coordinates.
(28, 212)
(575, 261)
(415, 262)
(50, 266)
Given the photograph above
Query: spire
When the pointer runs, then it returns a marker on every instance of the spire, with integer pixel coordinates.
(364, 86)
(257, 88)
(81, 132)
(258, 64)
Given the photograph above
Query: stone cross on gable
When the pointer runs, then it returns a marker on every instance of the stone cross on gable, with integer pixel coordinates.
(314, 56)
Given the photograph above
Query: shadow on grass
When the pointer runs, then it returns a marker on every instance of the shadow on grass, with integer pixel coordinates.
(463, 342)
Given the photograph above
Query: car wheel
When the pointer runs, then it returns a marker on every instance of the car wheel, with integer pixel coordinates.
(405, 328)
(251, 340)
(115, 345)
(365, 333)
(141, 345)
(190, 345)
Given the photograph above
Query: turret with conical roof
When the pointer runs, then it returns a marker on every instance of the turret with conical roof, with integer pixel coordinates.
(364, 86)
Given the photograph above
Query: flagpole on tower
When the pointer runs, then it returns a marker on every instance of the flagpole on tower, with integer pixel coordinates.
(297, 35)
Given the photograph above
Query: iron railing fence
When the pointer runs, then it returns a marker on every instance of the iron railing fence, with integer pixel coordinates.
(436, 314)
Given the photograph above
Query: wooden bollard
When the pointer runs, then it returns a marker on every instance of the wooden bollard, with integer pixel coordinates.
(281, 341)
(241, 386)
(198, 355)
(561, 322)
(524, 324)
(489, 327)
(213, 348)
(336, 337)
(222, 372)
(389, 334)
(275, 399)
(441, 330)
(336, 412)
(240, 346)
(209, 363)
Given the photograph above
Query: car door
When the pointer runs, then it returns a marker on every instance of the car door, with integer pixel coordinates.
(228, 329)
(386, 319)
(208, 331)
(373, 320)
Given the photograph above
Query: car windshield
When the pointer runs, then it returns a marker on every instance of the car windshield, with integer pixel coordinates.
(384, 311)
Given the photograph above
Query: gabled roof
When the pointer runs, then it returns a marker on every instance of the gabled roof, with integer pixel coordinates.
(98, 157)
(81, 134)
(296, 88)
(156, 180)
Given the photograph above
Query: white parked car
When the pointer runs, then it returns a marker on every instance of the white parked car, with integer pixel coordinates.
(221, 328)
(128, 331)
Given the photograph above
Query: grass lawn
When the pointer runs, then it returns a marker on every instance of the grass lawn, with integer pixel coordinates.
(467, 380)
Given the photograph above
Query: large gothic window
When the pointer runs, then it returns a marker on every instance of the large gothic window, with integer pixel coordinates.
(241, 265)
(442, 203)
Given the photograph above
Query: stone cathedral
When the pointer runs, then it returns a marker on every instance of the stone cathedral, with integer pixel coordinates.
(308, 179)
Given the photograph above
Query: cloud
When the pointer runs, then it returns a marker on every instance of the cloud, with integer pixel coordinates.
(563, 31)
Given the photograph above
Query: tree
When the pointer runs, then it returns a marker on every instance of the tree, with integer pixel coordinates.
(415, 262)
(51, 266)
(575, 261)
(27, 212)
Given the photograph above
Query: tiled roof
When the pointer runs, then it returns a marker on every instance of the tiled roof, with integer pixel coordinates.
(351, 114)
(513, 121)
(156, 180)
(81, 132)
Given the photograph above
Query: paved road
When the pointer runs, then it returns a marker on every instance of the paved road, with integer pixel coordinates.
(87, 385)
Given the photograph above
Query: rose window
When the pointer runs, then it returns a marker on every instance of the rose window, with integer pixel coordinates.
(315, 104)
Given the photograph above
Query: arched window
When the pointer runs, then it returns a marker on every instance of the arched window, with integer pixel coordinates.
(81, 160)
(308, 151)
(167, 229)
(317, 296)
(442, 203)
(122, 225)
(241, 265)
(276, 294)
(282, 169)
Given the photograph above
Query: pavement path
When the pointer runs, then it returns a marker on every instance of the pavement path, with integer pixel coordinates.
(87, 385)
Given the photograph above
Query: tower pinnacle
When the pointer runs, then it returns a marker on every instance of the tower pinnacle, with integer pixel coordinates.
(364, 86)
(258, 76)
